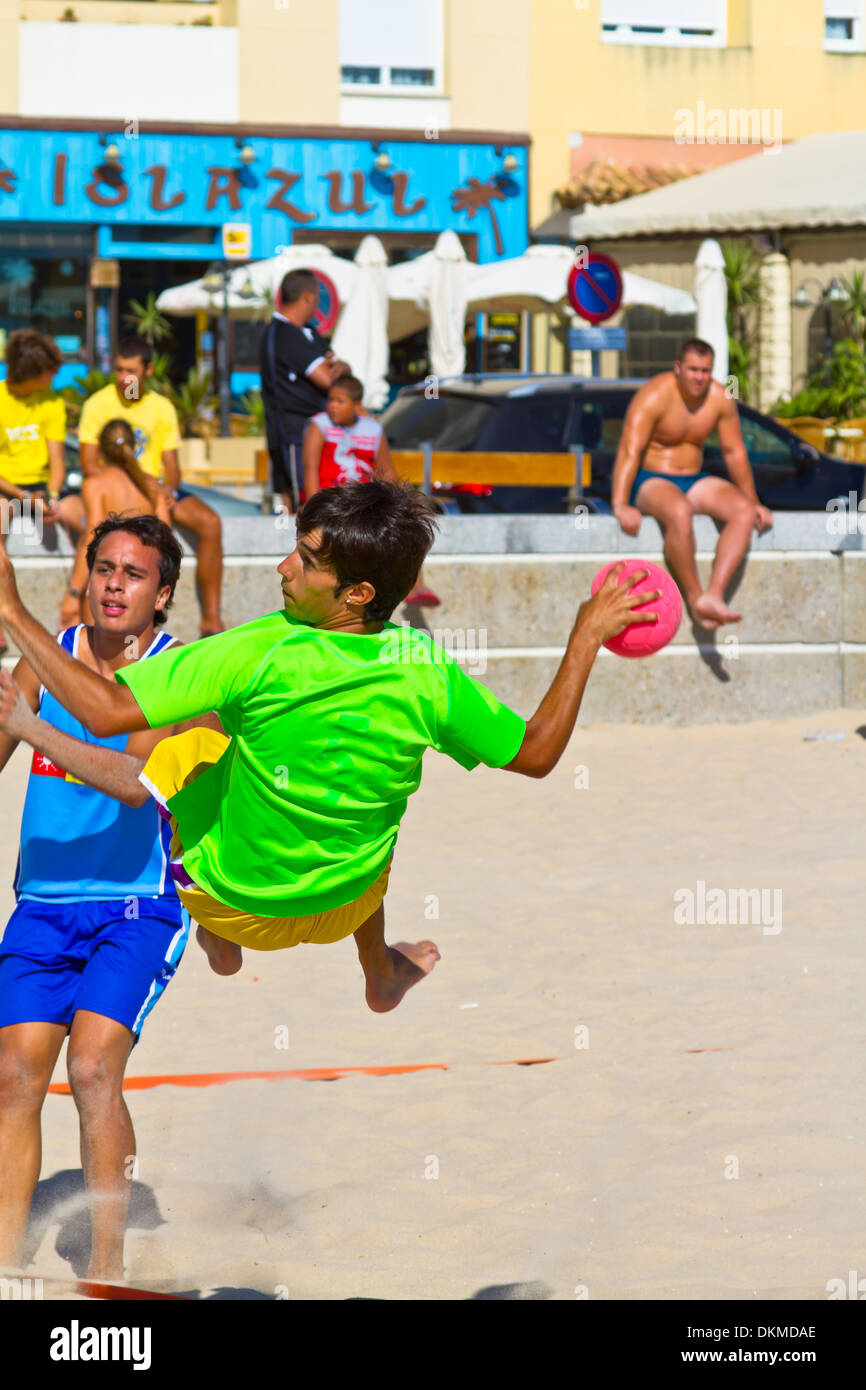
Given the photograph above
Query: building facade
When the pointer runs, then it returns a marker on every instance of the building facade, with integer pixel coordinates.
(132, 132)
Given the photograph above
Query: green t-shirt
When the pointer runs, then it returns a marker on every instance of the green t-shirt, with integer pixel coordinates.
(327, 731)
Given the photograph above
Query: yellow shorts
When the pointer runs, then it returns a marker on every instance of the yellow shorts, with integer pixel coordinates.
(174, 763)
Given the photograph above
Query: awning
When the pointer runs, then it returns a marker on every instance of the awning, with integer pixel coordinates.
(815, 182)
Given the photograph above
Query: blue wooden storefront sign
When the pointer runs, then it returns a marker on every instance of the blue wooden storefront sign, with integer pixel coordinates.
(170, 180)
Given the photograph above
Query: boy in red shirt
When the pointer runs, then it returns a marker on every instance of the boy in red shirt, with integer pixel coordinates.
(343, 446)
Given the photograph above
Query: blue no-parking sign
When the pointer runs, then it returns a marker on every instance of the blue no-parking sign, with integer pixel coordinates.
(595, 287)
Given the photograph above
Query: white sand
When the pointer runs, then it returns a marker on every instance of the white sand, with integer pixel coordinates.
(603, 1170)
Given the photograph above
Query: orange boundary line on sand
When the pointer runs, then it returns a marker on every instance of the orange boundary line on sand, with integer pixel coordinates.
(219, 1078)
(117, 1292)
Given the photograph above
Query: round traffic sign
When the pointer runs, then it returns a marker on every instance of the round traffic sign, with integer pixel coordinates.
(325, 318)
(595, 287)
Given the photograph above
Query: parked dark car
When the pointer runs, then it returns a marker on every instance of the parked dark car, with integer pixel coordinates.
(556, 414)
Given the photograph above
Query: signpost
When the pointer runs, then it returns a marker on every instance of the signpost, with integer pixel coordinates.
(595, 292)
(597, 339)
(237, 238)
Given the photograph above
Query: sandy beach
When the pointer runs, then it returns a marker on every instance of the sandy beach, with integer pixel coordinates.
(699, 1135)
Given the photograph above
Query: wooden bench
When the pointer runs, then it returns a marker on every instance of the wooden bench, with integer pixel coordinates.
(428, 466)
(225, 474)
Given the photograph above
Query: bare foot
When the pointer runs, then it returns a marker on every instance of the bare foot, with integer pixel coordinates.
(410, 962)
(209, 627)
(224, 957)
(710, 612)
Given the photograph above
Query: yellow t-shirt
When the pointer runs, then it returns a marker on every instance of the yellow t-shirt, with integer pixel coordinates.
(26, 426)
(152, 418)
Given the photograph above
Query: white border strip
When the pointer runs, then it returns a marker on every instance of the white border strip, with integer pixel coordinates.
(681, 649)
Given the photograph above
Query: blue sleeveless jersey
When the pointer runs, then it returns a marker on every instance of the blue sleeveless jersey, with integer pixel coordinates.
(78, 843)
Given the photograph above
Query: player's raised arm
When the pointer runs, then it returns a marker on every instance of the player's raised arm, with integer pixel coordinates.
(28, 686)
(109, 770)
(608, 612)
(103, 706)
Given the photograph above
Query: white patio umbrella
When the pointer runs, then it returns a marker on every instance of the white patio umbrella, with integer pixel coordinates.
(184, 301)
(361, 335)
(409, 296)
(537, 282)
(266, 276)
(251, 285)
(711, 292)
(448, 302)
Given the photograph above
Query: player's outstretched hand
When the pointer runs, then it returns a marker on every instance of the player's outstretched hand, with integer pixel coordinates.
(611, 609)
(16, 716)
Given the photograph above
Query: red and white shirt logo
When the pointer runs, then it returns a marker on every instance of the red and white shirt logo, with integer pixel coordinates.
(349, 451)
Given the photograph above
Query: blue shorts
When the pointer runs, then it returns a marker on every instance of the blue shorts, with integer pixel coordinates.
(56, 958)
(681, 480)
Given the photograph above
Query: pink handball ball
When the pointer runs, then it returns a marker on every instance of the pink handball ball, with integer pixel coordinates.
(642, 639)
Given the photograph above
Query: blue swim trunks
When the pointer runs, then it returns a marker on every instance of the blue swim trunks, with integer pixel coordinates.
(114, 958)
(683, 481)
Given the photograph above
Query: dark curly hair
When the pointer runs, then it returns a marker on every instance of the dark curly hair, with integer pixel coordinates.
(376, 531)
(150, 531)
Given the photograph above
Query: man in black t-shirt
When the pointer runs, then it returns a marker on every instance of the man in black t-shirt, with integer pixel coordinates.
(297, 369)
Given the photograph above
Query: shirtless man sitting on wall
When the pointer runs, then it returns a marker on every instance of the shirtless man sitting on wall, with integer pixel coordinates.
(657, 473)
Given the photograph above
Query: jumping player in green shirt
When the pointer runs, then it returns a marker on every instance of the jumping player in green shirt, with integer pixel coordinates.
(285, 826)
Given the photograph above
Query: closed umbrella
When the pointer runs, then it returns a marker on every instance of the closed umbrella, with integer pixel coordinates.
(448, 299)
(361, 335)
(711, 292)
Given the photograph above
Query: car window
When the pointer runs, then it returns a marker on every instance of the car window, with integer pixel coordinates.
(522, 424)
(763, 445)
(598, 421)
(526, 424)
(446, 422)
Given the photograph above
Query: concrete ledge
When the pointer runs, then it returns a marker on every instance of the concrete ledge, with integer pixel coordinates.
(510, 590)
(524, 535)
(679, 688)
(533, 600)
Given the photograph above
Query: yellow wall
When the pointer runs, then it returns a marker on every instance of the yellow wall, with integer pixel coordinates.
(9, 14)
(116, 12)
(486, 69)
(579, 84)
(289, 61)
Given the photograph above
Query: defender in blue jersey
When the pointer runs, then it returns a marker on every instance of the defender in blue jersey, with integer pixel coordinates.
(98, 930)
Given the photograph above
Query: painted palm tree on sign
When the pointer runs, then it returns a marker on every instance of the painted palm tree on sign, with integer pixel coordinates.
(475, 196)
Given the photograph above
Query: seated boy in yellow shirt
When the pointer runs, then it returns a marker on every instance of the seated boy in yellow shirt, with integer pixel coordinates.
(33, 431)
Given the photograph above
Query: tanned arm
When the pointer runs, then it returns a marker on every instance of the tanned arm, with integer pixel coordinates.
(109, 770)
(88, 455)
(608, 612)
(737, 460)
(28, 684)
(314, 442)
(384, 467)
(637, 430)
